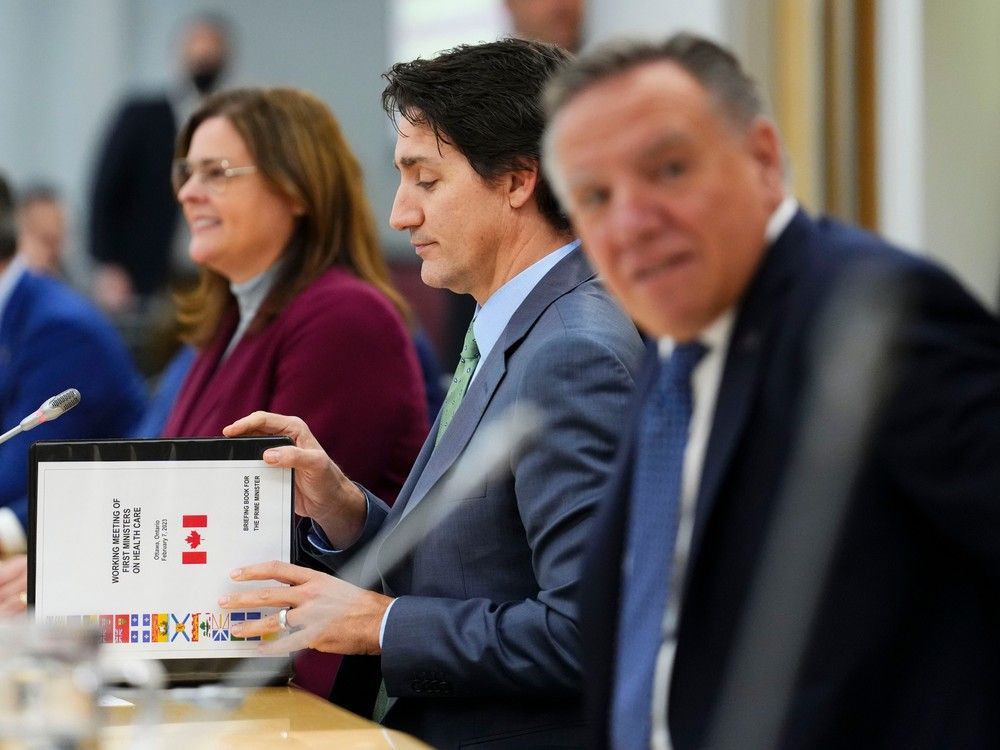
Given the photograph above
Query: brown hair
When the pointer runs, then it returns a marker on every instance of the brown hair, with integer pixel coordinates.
(299, 149)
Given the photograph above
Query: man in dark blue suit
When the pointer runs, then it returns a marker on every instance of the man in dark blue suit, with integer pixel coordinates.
(52, 339)
(674, 181)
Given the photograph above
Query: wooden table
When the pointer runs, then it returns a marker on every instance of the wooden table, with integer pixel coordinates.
(257, 718)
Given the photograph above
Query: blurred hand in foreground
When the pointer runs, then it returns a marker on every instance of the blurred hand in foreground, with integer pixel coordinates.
(324, 612)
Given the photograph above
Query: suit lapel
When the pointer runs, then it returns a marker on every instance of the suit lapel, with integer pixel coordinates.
(744, 362)
(569, 273)
(462, 426)
(419, 464)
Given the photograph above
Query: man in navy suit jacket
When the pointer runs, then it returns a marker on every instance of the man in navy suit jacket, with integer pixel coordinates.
(673, 178)
(52, 339)
(476, 628)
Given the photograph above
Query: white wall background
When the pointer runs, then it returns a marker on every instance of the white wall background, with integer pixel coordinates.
(65, 63)
(960, 169)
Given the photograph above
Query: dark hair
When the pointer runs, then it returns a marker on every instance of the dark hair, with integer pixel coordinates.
(485, 100)
(713, 66)
(8, 229)
(298, 147)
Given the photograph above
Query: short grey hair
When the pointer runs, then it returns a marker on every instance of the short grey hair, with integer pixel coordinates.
(713, 66)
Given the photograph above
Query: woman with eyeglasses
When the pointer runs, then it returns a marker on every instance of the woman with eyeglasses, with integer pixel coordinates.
(294, 312)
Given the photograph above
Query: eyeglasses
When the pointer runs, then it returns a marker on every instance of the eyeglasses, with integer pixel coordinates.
(214, 174)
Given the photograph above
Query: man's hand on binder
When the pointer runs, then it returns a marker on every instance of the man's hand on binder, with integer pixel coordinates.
(321, 611)
(322, 491)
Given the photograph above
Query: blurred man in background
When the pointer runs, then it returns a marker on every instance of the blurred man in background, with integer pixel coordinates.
(554, 21)
(133, 215)
(41, 222)
(51, 339)
(673, 177)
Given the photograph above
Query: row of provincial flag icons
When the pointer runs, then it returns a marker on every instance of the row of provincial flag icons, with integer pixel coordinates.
(167, 628)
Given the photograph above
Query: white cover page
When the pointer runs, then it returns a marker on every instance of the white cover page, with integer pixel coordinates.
(144, 549)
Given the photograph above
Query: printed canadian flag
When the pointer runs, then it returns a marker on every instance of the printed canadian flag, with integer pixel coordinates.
(194, 556)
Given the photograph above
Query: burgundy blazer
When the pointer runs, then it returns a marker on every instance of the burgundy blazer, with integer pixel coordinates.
(338, 356)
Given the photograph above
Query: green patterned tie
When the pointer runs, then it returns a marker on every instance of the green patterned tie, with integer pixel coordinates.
(459, 382)
(456, 391)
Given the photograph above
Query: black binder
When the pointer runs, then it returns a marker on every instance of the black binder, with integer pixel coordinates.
(245, 671)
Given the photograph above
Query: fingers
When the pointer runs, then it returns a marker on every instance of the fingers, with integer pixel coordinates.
(12, 605)
(302, 459)
(262, 627)
(260, 598)
(293, 637)
(12, 599)
(274, 570)
(266, 423)
(295, 641)
(13, 585)
(270, 626)
(293, 595)
(15, 570)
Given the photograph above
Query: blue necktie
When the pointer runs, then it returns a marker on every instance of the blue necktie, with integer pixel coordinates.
(654, 513)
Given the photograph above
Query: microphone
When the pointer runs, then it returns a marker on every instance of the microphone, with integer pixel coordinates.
(51, 409)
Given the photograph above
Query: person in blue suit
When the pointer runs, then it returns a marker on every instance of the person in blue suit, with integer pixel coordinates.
(52, 339)
(673, 177)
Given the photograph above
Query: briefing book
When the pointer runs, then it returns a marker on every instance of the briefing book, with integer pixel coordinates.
(138, 537)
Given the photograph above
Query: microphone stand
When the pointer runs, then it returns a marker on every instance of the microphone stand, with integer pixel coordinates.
(11, 433)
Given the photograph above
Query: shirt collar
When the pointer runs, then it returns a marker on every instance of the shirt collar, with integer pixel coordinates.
(780, 219)
(714, 338)
(491, 319)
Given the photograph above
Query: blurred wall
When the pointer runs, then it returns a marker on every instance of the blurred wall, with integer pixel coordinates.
(65, 65)
(938, 111)
(609, 18)
(961, 164)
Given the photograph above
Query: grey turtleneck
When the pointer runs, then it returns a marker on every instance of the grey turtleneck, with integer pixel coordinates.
(250, 295)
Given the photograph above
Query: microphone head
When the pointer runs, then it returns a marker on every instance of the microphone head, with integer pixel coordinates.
(51, 409)
(59, 405)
